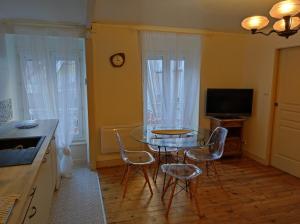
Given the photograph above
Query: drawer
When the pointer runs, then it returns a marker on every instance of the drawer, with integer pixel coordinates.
(233, 147)
(231, 124)
(28, 203)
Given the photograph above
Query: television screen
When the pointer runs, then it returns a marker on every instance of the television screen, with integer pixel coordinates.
(229, 102)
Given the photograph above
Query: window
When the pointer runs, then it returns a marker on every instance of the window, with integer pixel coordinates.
(154, 110)
(177, 74)
(171, 74)
(155, 76)
(66, 70)
(33, 87)
(71, 69)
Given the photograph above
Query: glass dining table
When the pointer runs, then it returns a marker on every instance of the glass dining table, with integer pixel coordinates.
(181, 138)
(163, 138)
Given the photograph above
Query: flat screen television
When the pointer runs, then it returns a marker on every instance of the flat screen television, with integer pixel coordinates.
(229, 102)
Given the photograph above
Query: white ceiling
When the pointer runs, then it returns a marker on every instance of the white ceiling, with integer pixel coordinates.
(67, 11)
(216, 15)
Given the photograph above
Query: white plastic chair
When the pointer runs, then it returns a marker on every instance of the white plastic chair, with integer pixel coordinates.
(138, 159)
(213, 152)
(185, 173)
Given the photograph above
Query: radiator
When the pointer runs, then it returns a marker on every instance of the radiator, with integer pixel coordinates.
(108, 139)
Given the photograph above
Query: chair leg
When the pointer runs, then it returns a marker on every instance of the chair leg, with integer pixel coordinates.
(217, 174)
(195, 196)
(186, 185)
(126, 181)
(164, 183)
(191, 189)
(153, 166)
(157, 169)
(147, 178)
(125, 171)
(167, 187)
(172, 195)
(207, 167)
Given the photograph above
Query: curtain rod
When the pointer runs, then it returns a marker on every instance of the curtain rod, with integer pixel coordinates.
(164, 29)
(46, 24)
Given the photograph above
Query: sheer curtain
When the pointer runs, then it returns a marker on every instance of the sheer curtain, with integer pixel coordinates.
(171, 74)
(51, 83)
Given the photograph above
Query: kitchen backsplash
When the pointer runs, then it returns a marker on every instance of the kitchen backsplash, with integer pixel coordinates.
(6, 113)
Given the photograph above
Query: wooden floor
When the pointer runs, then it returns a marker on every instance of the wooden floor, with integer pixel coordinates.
(254, 194)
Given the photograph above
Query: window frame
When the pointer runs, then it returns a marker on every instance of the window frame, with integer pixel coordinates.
(166, 65)
(78, 58)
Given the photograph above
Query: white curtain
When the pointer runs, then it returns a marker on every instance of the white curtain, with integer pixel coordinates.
(51, 83)
(171, 73)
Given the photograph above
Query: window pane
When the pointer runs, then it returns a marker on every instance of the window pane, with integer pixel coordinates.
(154, 91)
(33, 88)
(175, 95)
(66, 73)
(177, 74)
(165, 91)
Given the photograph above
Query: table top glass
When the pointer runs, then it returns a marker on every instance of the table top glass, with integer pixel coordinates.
(168, 137)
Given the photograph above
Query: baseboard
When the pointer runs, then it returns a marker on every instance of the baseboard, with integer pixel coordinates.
(256, 158)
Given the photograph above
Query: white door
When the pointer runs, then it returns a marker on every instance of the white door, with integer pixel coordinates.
(286, 135)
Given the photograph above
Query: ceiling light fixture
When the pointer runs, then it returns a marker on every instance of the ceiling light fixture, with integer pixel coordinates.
(288, 15)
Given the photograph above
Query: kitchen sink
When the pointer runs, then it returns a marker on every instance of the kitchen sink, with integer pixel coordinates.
(19, 151)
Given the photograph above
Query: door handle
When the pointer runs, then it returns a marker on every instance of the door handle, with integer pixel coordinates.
(33, 212)
(33, 191)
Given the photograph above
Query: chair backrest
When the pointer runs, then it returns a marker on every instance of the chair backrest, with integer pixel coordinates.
(121, 146)
(217, 141)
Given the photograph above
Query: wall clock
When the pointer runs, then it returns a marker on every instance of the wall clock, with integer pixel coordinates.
(117, 60)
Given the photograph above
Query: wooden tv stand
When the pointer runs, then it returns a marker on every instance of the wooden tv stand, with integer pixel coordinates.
(234, 141)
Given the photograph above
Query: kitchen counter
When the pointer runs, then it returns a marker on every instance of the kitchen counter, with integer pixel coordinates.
(19, 180)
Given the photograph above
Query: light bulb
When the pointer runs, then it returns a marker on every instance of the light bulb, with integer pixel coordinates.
(255, 22)
(280, 24)
(285, 8)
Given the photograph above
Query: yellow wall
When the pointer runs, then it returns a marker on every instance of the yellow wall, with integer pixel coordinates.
(221, 67)
(259, 73)
(228, 61)
(115, 94)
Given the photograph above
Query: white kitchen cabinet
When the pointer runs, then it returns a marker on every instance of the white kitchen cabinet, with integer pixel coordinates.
(39, 208)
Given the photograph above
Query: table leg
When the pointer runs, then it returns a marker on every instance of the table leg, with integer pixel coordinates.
(158, 165)
(165, 175)
(184, 156)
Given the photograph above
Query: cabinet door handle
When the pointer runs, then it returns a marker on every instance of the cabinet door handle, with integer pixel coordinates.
(34, 210)
(33, 191)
